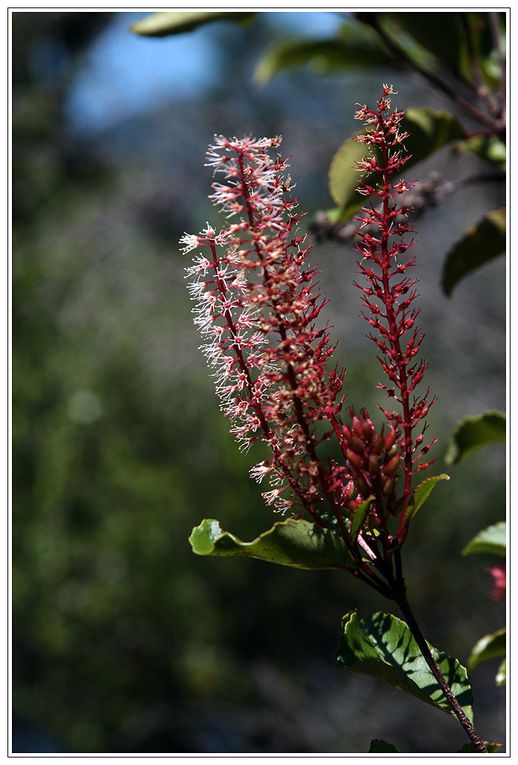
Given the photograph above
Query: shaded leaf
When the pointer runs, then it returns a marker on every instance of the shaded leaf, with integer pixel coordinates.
(351, 51)
(382, 646)
(378, 745)
(177, 22)
(482, 243)
(439, 33)
(430, 130)
(295, 543)
(501, 675)
(490, 540)
(488, 647)
(474, 432)
(422, 492)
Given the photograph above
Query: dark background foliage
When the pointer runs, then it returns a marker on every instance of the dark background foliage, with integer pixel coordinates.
(123, 640)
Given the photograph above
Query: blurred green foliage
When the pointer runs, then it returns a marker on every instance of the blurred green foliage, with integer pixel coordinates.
(123, 641)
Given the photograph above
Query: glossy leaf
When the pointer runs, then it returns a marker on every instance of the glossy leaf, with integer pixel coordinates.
(501, 675)
(490, 540)
(378, 745)
(351, 51)
(422, 492)
(382, 646)
(488, 647)
(176, 22)
(295, 543)
(480, 244)
(430, 130)
(474, 432)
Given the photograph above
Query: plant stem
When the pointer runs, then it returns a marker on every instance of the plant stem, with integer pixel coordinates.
(402, 601)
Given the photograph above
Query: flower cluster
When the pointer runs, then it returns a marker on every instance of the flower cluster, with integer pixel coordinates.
(389, 294)
(258, 310)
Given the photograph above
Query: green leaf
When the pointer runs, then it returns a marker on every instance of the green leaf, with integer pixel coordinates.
(177, 22)
(382, 646)
(501, 675)
(349, 52)
(378, 745)
(343, 178)
(480, 244)
(430, 131)
(474, 432)
(422, 492)
(490, 540)
(295, 543)
(359, 515)
(488, 647)
(491, 746)
(490, 148)
(438, 33)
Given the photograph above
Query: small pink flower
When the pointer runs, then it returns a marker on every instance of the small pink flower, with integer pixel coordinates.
(498, 574)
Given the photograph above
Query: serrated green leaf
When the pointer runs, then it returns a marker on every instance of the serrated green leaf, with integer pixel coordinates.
(488, 647)
(473, 432)
(323, 56)
(176, 22)
(430, 131)
(378, 745)
(382, 646)
(422, 492)
(501, 675)
(480, 244)
(490, 540)
(296, 543)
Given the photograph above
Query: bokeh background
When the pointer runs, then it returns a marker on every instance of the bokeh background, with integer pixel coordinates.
(123, 640)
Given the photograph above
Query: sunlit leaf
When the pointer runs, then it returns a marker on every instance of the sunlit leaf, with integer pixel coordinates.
(296, 543)
(490, 540)
(430, 131)
(473, 433)
(501, 675)
(490, 148)
(343, 178)
(176, 22)
(482, 243)
(382, 646)
(422, 492)
(378, 745)
(488, 647)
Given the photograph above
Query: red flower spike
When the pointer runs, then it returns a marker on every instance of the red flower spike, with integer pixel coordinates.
(391, 315)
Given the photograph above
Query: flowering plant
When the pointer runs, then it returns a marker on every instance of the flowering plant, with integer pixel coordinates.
(258, 310)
